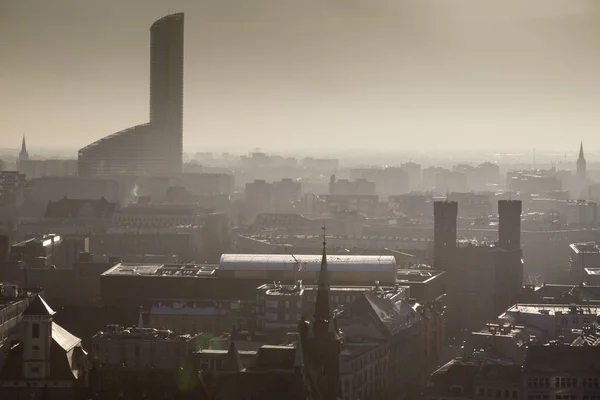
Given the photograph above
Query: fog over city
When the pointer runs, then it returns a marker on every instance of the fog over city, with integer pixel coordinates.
(303, 200)
(287, 75)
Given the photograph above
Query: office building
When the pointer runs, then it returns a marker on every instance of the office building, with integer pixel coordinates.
(153, 148)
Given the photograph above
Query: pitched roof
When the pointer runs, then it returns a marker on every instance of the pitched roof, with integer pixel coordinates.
(64, 338)
(389, 315)
(39, 307)
(71, 208)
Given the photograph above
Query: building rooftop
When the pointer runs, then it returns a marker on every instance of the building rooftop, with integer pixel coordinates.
(116, 332)
(587, 248)
(307, 262)
(553, 309)
(174, 270)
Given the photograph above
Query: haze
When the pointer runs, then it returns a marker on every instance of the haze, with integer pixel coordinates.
(280, 74)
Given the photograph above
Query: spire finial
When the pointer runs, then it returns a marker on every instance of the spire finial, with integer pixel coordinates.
(324, 235)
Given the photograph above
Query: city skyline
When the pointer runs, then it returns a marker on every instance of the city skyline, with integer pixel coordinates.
(282, 76)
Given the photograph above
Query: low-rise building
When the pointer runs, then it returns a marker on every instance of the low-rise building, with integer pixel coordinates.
(136, 348)
(550, 321)
(562, 373)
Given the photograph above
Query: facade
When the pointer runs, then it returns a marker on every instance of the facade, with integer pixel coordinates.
(53, 167)
(136, 348)
(551, 321)
(344, 269)
(153, 148)
(483, 278)
(48, 362)
(475, 378)
(562, 373)
(158, 216)
(382, 331)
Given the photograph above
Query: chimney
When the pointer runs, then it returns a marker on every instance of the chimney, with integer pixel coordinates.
(509, 230)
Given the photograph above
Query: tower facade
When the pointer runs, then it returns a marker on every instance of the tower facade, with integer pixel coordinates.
(445, 214)
(153, 148)
(166, 86)
(581, 164)
(509, 224)
(37, 319)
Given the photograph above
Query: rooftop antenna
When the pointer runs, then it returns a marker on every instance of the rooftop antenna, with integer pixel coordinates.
(297, 263)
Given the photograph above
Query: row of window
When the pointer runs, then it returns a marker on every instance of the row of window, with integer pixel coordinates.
(498, 393)
(563, 382)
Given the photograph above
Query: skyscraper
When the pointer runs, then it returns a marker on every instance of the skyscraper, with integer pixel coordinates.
(153, 148)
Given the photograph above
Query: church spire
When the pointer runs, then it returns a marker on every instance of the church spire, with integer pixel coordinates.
(23, 155)
(581, 163)
(322, 313)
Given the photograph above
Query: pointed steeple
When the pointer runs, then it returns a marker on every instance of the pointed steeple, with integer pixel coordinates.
(322, 313)
(232, 361)
(23, 155)
(581, 163)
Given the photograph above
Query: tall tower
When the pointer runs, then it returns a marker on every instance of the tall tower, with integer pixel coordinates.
(581, 163)
(444, 235)
(509, 224)
(23, 154)
(166, 87)
(38, 339)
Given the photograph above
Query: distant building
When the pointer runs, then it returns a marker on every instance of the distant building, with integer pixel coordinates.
(23, 154)
(551, 321)
(561, 372)
(581, 164)
(49, 362)
(41, 168)
(141, 348)
(475, 377)
(159, 215)
(344, 187)
(496, 269)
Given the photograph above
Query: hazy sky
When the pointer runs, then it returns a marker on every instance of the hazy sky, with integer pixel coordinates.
(310, 73)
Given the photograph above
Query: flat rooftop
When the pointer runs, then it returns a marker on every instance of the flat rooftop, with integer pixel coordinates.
(553, 309)
(150, 269)
(417, 275)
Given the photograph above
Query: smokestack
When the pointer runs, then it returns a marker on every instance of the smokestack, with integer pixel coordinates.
(444, 236)
(509, 221)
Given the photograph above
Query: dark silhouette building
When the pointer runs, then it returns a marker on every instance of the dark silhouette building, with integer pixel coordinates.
(581, 163)
(23, 154)
(153, 148)
(444, 236)
(483, 279)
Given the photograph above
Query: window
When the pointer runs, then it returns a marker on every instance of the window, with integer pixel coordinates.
(565, 397)
(481, 392)
(565, 382)
(35, 331)
(590, 382)
(36, 347)
(35, 370)
(538, 382)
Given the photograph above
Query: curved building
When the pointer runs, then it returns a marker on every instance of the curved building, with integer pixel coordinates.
(343, 269)
(153, 148)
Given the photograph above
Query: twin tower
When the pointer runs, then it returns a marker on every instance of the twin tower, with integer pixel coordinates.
(445, 233)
